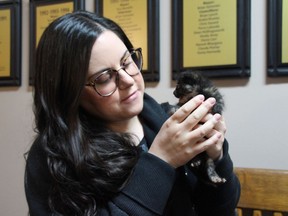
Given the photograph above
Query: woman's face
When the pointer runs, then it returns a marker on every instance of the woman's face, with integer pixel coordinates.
(127, 101)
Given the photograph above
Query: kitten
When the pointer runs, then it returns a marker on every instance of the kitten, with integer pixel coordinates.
(190, 84)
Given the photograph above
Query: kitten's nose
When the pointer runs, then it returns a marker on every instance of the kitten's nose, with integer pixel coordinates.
(176, 93)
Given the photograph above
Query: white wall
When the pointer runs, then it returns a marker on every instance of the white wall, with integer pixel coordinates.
(256, 112)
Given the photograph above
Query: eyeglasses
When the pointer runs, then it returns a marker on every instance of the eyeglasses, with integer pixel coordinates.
(106, 82)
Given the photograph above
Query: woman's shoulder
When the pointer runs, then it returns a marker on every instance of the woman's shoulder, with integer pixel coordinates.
(37, 180)
(36, 151)
(153, 107)
(153, 115)
(36, 160)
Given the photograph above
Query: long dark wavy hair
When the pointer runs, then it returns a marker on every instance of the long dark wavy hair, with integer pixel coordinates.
(88, 163)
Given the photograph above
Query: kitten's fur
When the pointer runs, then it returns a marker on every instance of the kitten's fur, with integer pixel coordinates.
(190, 84)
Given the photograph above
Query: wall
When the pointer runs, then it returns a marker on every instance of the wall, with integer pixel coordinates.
(256, 112)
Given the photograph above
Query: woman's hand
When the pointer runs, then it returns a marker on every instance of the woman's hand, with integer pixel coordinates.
(178, 140)
(215, 151)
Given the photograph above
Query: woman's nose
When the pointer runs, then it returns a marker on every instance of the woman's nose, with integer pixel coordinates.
(124, 79)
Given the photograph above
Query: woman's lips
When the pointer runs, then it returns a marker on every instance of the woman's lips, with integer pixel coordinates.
(131, 97)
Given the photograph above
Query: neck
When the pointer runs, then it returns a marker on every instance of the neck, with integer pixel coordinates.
(132, 126)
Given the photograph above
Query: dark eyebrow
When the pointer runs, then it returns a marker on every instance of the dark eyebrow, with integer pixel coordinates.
(105, 69)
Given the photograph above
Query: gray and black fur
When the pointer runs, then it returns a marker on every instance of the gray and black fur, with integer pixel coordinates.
(190, 84)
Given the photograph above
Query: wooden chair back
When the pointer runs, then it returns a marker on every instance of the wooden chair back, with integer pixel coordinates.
(263, 190)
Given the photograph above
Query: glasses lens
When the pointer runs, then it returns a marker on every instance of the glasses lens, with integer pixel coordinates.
(137, 58)
(133, 62)
(105, 83)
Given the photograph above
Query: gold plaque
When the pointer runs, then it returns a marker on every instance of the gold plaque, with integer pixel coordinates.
(131, 15)
(48, 13)
(284, 32)
(209, 33)
(5, 42)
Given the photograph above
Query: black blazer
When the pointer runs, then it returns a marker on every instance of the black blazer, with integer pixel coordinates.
(155, 188)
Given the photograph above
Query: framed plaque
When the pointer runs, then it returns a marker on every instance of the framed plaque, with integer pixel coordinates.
(140, 21)
(42, 13)
(212, 37)
(277, 34)
(10, 43)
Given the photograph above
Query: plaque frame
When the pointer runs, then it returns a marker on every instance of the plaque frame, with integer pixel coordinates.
(240, 69)
(14, 79)
(152, 72)
(275, 66)
(78, 4)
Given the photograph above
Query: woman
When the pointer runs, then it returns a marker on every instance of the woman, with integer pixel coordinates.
(103, 146)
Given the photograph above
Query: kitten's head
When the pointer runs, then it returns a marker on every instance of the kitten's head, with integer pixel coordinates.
(192, 83)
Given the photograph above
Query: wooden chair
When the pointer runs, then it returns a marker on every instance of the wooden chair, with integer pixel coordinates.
(263, 190)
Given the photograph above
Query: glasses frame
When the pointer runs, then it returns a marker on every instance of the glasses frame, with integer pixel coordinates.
(92, 83)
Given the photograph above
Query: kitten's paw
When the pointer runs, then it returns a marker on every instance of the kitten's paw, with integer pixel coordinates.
(216, 179)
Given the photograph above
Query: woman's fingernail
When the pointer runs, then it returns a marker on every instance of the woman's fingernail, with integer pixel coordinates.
(212, 101)
(217, 116)
(219, 135)
(201, 97)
